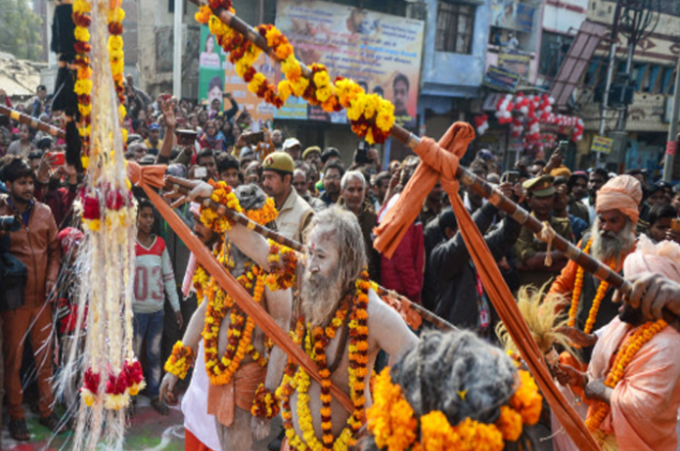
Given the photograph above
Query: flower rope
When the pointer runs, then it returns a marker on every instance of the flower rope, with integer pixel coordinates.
(371, 116)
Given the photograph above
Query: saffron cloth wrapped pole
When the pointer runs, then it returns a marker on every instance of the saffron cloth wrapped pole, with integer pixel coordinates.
(32, 122)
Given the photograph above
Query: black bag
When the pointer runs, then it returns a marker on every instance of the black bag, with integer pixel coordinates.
(13, 278)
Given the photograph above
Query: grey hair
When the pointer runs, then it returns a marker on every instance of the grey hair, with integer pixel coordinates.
(344, 227)
(352, 175)
(456, 373)
(251, 196)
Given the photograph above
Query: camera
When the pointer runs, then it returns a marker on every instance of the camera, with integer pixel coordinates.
(9, 223)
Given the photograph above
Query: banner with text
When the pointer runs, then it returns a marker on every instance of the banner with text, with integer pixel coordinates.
(216, 75)
(379, 51)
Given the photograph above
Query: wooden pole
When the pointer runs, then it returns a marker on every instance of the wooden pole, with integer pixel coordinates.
(466, 177)
(32, 122)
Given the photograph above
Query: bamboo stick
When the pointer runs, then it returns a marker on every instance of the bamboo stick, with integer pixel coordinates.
(32, 122)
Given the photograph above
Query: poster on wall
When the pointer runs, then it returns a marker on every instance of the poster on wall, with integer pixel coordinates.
(379, 51)
(512, 15)
(216, 76)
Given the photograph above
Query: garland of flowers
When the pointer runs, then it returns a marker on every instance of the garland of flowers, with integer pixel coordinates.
(83, 85)
(394, 425)
(119, 388)
(265, 404)
(282, 265)
(224, 195)
(371, 116)
(296, 379)
(114, 18)
(597, 301)
(623, 358)
(180, 360)
(240, 329)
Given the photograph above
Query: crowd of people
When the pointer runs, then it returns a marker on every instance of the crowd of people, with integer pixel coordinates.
(602, 213)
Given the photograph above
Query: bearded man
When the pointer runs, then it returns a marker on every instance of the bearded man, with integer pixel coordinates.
(610, 240)
(217, 408)
(634, 401)
(341, 323)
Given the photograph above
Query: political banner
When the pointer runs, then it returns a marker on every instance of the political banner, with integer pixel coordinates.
(216, 76)
(379, 51)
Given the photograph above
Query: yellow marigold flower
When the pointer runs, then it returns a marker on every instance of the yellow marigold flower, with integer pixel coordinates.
(115, 43)
(85, 161)
(82, 6)
(256, 82)
(300, 86)
(321, 79)
(85, 110)
(203, 14)
(82, 34)
(273, 35)
(323, 94)
(284, 51)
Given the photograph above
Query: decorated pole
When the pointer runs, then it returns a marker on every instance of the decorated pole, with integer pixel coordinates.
(32, 122)
(466, 177)
(179, 185)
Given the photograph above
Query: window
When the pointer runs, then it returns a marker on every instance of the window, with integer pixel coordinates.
(554, 48)
(455, 26)
(667, 76)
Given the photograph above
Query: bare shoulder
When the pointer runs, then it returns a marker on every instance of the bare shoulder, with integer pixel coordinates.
(387, 328)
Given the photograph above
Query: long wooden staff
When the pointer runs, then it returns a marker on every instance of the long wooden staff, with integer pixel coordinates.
(32, 122)
(179, 184)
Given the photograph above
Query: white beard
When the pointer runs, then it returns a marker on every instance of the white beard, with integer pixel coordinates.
(607, 245)
(319, 298)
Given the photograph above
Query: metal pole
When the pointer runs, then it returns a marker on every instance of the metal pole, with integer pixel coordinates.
(673, 129)
(177, 51)
(610, 73)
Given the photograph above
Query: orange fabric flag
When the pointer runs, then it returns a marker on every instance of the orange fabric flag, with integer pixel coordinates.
(437, 164)
(235, 289)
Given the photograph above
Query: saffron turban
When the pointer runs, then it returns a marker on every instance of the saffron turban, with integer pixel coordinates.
(662, 258)
(622, 193)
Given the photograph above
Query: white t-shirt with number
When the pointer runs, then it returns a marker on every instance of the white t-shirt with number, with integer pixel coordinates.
(153, 273)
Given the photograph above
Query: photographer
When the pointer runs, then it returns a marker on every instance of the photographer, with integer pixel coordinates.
(36, 245)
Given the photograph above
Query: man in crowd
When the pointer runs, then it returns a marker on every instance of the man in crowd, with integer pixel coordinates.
(154, 142)
(460, 297)
(206, 159)
(578, 185)
(330, 154)
(561, 207)
(353, 198)
(380, 184)
(229, 169)
(293, 148)
(433, 204)
(277, 181)
(39, 102)
(36, 245)
(312, 157)
(531, 252)
(332, 174)
(472, 200)
(301, 185)
(660, 228)
(277, 139)
(597, 178)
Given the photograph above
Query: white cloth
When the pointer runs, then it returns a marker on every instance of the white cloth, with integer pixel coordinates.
(195, 405)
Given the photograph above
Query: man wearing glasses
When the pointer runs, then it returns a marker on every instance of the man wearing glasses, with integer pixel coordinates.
(332, 174)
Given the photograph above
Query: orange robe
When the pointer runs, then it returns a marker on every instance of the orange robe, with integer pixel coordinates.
(644, 404)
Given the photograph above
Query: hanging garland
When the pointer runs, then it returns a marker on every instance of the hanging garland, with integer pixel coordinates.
(597, 301)
(114, 19)
(623, 358)
(296, 379)
(371, 116)
(83, 85)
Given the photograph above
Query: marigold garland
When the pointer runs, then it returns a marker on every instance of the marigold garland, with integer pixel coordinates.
(180, 360)
(118, 389)
(114, 19)
(282, 267)
(296, 379)
(624, 356)
(83, 84)
(394, 426)
(597, 301)
(371, 116)
(265, 404)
